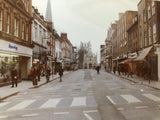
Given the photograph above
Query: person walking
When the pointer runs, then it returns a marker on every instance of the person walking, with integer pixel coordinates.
(33, 76)
(114, 69)
(60, 71)
(97, 69)
(14, 77)
(47, 74)
(39, 72)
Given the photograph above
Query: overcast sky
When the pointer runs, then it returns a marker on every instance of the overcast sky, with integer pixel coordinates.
(85, 20)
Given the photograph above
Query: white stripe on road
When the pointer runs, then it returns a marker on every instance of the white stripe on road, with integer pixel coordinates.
(61, 113)
(130, 98)
(3, 117)
(89, 117)
(3, 104)
(110, 99)
(51, 103)
(78, 101)
(152, 97)
(90, 111)
(141, 107)
(22, 105)
(30, 115)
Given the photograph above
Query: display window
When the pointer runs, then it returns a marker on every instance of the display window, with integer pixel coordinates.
(7, 62)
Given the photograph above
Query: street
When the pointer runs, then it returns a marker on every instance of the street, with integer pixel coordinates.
(84, 95)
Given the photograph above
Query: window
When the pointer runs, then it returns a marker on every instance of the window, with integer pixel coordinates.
(22, 30)
(153, 8)
(149, 12)
(154, 33)
(16, 27)
(7, 23)
(1, 19)
(27, 38)
(150, 37)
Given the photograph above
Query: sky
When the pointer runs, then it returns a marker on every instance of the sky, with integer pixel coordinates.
(85, 20)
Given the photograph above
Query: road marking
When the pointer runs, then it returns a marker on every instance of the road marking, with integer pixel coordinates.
(22, 105)
(3, 104)
(3, 117)
(51, 103)
(90, 111)
(130, 98)
(78, 101)
(89, 117)
(30, 115)
(152, 97)
(61, 113)
(110, 99)
(141, 107)
(120, 109)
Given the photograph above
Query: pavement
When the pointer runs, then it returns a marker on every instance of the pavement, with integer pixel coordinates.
(140, 80)
(7, 91)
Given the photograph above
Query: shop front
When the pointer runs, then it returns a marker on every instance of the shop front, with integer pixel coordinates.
(14, 55)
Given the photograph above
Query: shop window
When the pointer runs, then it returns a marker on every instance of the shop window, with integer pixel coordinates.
(1, 19)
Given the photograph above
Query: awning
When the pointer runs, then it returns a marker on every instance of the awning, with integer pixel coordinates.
(143, 54)
(129, 60)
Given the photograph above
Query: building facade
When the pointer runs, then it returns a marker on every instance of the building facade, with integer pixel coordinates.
(15, 37)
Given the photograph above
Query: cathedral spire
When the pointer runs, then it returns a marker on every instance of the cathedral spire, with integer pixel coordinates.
(48, 17)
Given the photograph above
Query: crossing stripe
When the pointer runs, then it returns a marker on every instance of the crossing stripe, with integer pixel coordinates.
(22, 105)
(78, 101)
(51, 103)
(130, 98)
(152, 97)
(110, 99)
(3, 104)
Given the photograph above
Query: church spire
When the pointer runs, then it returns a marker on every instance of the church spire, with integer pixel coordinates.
(48, 17)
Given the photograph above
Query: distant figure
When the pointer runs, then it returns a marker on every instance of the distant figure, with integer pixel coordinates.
(60, 71)
(14, 77)
(48, 74)
(105, 68)
(119, 70)
(114, 69)
(39, 72)
(33, 75)
(97, 69)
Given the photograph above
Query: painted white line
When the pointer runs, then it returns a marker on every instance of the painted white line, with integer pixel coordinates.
(120, 109)
(90, 111)
(51, 103)
(110, 99)
(87, 116)
(3, 104)
(22, 105)
(152, 97)
(141, 107)
(130, 98)
(61, 113)
(3, 117)
(30, 115)
(78, 101)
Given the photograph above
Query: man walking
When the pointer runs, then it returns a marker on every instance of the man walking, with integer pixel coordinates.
(14, 77)
(60, 71)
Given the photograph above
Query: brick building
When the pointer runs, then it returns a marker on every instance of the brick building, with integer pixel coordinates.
(15, 37)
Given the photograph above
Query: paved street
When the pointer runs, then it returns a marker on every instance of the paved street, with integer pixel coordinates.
(84, 95)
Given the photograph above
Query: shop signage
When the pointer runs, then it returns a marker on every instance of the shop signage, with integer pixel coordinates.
(13, 47)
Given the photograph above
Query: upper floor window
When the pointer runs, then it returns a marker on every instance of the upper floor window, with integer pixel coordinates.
(153, 8)
(27, 33)
(154, 33)
(23, 30)
(150, 36)
(16, 27)
(1, 19)
(8, 23)
(149, 12)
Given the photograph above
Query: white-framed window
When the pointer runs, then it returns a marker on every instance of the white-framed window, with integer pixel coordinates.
(150, 36)
(153, 8)
(16, 27)
(154, 33)
(23, 30)
(8, 23)
(149, 12)
(27, 33)
(1, 19)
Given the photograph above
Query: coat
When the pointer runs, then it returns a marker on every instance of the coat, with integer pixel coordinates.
(60, 71)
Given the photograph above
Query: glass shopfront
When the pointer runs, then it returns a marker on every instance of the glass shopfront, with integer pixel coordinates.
(7, 61)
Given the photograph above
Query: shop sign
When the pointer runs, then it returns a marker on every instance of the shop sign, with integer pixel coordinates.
(13, 47)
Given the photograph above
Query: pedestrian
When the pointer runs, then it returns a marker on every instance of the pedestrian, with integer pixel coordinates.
(14, 76)
(39, 72)
(48, 74)
(129, 71)
(60, 71)
(105, 68)
(119, 70)
(114, 69)
(33, 75)
(97, 69)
